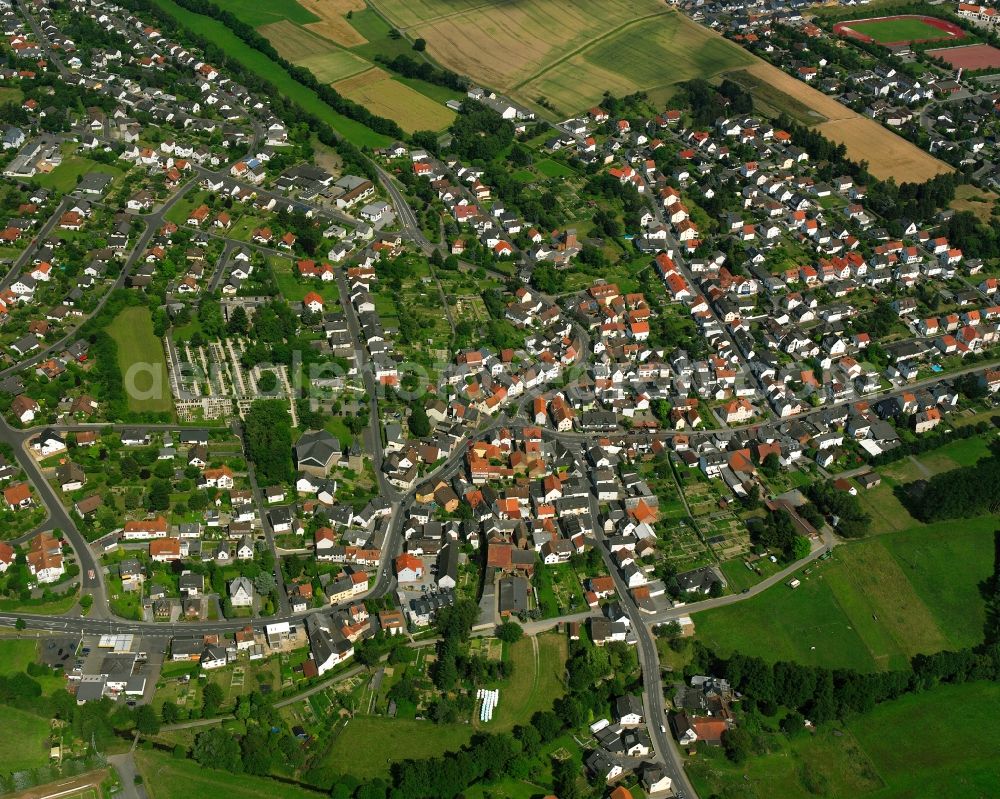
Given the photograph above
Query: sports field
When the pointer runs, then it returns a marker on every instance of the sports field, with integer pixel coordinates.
(382, 94)
(310, 50)
(132, 330)
(899, 29)
(971, 56)
(632, 59)
(872, 605)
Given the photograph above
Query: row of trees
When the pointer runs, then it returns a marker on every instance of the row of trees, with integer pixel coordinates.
(268, 441)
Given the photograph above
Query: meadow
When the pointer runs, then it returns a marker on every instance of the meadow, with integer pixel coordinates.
(901, 750)
(167, 777)
(536, 682)
(872, 605)
(367, 746)
(24, 744)
(132, 330)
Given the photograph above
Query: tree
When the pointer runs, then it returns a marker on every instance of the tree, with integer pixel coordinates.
(20, 624)
(268, 440)
(419, 424)
(239, 323)
(737, 743)
(170, 713)
(159, 495)
(268, 381)
(510, 632)
(419, 45)
(146, 721)
(212, 698)
(217, 748)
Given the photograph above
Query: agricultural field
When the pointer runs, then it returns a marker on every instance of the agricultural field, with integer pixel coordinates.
(879, 755)
(872, 605)
(132, 330)
(332, 22)
(504, 45)
(382, 94)
(631, 59)
(866, 140)
(310, 50)
(166, 777)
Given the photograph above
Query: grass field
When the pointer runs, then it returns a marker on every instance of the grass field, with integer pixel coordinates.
(295, 290)
(260, 64)
(24, 742)
(873, 605)
(632, 58)
(166, 777)
(904, 29)
(943, 742)
(534, 684)
(381, 94)
(368, 745)
(904, 741)
(132, 330)
(10, 94)
(65, 176)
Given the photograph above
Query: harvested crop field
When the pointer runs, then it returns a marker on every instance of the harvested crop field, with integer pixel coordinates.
(504, 44)
(971, 56)
(902, 29)
(325, 60)
(632, 59)
(333, 23)
(382, 95)
(888, 155)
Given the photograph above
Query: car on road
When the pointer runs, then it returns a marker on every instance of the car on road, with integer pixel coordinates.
(90, 574)
(663, 728)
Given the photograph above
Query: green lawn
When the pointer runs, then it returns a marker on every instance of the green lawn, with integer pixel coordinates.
(132, 329)
(24, 744)
(258, 63)
(10, 94)
(872, 605)
(65, 176)
(294, 290)
(166, 777)
(898, 30)
(257, 14)
(368, 745)
(553, 169)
